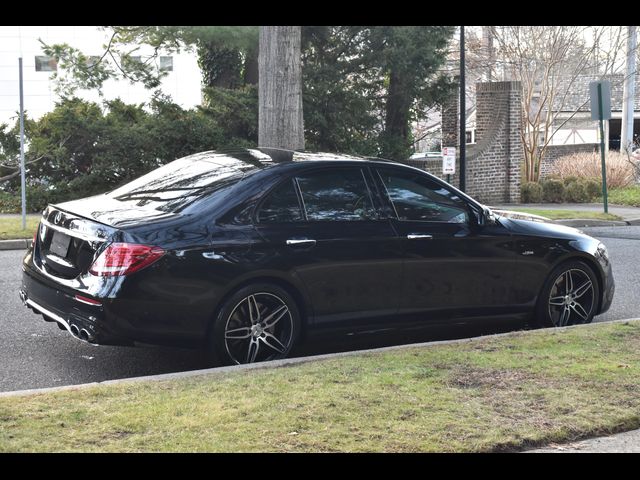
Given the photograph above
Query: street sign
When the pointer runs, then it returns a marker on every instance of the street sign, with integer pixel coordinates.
(448, 160)
(605, 87)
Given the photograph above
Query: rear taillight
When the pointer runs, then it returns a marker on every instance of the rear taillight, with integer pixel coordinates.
(35, 236)
(124, 259)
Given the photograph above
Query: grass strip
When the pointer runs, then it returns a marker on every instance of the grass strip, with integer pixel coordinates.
(624, 196)
(567, 214)
(11, 227)
(504, 393)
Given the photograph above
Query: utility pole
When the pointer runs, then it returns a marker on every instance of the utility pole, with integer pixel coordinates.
(22, 167)
(463, 117)
(626, 138)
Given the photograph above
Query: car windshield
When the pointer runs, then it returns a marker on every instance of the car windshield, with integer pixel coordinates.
(176, 185)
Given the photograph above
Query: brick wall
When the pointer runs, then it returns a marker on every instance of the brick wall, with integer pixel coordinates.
(494, 162)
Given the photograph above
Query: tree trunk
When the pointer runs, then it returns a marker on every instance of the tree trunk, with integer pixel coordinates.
(280, 121)
(396, 130)
(251, 66)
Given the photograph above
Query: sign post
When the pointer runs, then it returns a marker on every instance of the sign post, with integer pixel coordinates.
(448, 162)
(600, 93)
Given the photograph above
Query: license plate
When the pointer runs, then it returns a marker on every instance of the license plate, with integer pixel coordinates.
(60, 244)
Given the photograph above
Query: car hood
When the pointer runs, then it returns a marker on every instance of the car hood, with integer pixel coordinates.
(541, 229)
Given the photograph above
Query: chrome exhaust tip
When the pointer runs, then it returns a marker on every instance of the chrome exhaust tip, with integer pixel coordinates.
(23, 297)
(84, 335)
(75, 330)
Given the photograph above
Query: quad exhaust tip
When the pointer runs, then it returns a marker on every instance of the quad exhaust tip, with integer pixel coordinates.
(82, 334)
(75, 330)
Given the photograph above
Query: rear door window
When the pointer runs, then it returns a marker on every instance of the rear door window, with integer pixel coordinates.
(339, 195)
(281, 205)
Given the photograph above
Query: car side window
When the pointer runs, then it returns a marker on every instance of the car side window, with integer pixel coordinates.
(281, 205)
(341, 194)
(416, 198)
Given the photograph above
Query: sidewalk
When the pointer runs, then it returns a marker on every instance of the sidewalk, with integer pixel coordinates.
(627, 442)
(629, 215)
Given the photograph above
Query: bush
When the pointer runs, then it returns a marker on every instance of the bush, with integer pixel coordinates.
(553, 191)
(531, 192)
(91, 149)
(10, 203)
(38, 197)
(620, 172)
(592, 187)
(575, 192)
(568, 180)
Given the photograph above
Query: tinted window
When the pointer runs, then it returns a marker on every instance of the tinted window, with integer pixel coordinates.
(336, 195)
(183, 182)
(417, 198)
(281, 205)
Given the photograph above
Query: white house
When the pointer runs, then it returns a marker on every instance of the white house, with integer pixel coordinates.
(182, 83)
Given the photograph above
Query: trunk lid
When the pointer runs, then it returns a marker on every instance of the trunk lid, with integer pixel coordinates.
(66, 243)
(117, 213)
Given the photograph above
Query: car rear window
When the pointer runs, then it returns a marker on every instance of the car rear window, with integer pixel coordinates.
(178, 184)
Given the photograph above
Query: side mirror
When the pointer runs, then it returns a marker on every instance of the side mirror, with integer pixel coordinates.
(486, 217)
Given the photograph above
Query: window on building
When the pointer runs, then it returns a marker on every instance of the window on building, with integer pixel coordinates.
(46, 64)
(166, 64)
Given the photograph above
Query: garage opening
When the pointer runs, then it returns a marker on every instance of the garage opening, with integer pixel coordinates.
(615, 133)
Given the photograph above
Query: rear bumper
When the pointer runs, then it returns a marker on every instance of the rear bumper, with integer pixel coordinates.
(141, 313)
(86, 322)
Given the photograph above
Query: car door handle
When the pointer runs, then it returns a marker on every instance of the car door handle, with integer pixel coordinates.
(418, 236)
(301, 242)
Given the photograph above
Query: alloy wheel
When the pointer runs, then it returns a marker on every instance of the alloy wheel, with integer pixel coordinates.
(259, 328)
(572, 298)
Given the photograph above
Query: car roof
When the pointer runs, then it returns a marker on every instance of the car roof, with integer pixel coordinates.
(267, 155)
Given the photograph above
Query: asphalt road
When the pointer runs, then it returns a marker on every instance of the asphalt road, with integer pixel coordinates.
(36, 354)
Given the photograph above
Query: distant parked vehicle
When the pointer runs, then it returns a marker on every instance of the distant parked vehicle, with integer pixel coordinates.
(246, 253)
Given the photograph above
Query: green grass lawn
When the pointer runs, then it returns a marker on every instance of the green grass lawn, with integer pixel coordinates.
(567, 214)
(495, 394)
(624, 196)
(11, 227)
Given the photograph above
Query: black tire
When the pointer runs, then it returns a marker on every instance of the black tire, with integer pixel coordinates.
(265, 341)
(570, 296)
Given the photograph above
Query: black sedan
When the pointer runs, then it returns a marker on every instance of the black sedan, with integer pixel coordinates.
(248, 252)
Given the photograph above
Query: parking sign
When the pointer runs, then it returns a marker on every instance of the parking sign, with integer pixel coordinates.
(448, 160)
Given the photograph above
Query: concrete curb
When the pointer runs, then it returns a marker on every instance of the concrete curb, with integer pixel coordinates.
(18, 244)
(588, 222)
(282, 363)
